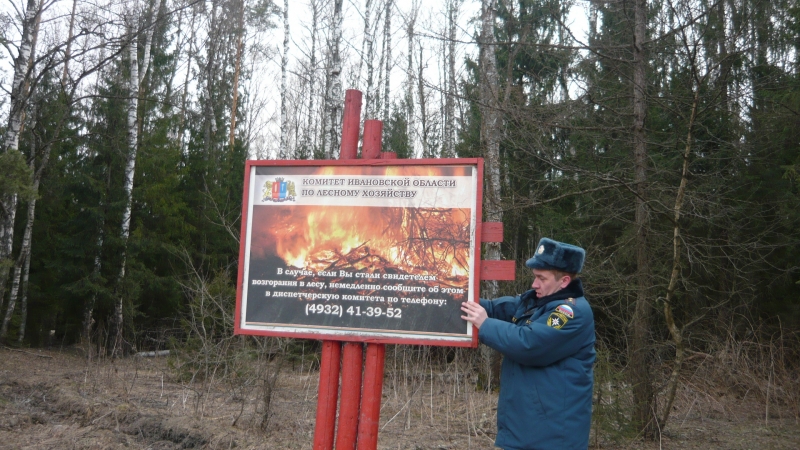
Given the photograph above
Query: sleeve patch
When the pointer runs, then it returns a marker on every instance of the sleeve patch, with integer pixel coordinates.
(557, 320)
(566, 310)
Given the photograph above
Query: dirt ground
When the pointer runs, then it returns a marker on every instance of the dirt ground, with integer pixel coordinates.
(58, 400)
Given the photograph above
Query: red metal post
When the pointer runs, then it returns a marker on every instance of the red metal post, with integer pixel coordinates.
(373, 131)
(327, 395)
(352, 360)
(370, 415)
(371, 400)
(351, 372)
(332, 350)
(351, 124)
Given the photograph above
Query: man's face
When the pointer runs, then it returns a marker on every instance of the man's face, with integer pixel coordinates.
(546, 283)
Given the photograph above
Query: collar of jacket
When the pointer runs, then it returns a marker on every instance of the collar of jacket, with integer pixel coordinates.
(573, 290)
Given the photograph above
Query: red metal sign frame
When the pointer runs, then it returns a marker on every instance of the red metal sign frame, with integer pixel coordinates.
(476, 264)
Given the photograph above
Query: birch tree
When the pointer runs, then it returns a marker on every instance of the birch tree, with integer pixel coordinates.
(387, 42)
(422, 106)
(448, 149)
(490, 127)
(68, 49)
(51, 108)
(18, 100)
(410, 20)
(138, 70)
(284, 152)
(189, 59)
(23, 91)
(311, 125)
(213, 45)
(490, 141)
(24, 259)
(237, 69)
(367, 58)
(333, 95)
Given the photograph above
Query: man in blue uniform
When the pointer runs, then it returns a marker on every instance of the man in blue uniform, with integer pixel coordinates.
(546, 336)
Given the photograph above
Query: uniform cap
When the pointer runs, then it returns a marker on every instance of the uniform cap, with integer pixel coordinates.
(554, 255)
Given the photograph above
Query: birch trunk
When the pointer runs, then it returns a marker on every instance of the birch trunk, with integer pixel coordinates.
(410, 65)
(643, 394)
(88, 307)
(423, 107)
(22, 66)
(23, 307)
(443, 90)
(333, 97)
(376, 97)
(18, 99)
(68, 49)
(210, 122)
(490, 127)
(12, 303)
(490, 135)
(449, 107)
(136, 78)
(311, 125)
(564, 70)
(130, 165)
(9, 209)
(369, 41)
(724, 61)
(387, 42)
(22, 258)
(22, 265)
(237, 71)
(185, 95)
(284, 151)
(27, 243)
(674, 331)
(15, 283)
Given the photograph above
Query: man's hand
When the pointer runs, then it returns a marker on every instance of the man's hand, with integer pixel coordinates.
(475, 314)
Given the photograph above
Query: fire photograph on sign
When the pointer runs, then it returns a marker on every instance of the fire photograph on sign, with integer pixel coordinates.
(358, 249)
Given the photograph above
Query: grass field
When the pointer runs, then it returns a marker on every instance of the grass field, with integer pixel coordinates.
(58, 400)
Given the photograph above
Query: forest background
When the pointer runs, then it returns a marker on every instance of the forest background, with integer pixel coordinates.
(662, 136)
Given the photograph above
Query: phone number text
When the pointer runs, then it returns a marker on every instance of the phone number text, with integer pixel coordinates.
(357, 311)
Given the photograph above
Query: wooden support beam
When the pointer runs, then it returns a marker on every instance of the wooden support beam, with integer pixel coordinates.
(498, 270)
(492, 232)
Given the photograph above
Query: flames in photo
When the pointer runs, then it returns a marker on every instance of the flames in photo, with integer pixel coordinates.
(425, 241)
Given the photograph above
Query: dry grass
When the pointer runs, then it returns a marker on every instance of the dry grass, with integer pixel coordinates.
(740, 393)
(65, 402)
(429, 402)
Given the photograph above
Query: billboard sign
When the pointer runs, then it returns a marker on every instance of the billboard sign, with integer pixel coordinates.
(360, 250)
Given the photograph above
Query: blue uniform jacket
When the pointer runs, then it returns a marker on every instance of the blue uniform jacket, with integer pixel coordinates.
(546, 380)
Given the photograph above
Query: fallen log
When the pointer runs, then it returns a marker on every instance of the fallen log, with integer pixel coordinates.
(153, 354)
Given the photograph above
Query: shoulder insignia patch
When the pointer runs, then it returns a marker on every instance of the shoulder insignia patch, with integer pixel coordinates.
(566, 310)
(557, 320)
